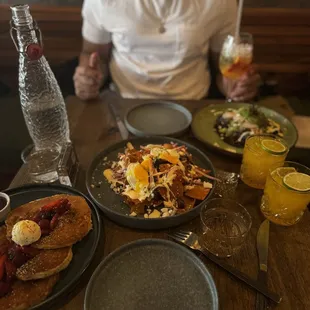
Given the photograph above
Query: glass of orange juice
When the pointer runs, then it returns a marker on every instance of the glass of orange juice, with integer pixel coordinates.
(236, 57)
(260, 153)
(286, 194)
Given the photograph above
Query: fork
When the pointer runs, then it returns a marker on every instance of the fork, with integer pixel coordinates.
(191, 240)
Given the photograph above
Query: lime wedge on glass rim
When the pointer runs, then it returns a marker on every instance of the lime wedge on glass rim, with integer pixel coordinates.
(297, 181)
(273, 147)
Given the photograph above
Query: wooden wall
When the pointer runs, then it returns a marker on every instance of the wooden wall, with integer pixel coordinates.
(281, 37)
(61, 28)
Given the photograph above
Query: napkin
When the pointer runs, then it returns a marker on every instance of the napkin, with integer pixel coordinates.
(302, 124)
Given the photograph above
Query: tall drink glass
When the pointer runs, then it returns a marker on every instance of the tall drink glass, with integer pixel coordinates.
(235, 58)
(260, 153)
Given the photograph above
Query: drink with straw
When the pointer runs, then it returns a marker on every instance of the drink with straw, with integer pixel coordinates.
(236, 56)
(286, 194)
(260, 153)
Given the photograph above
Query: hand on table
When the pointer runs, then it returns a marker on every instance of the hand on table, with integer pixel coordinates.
(243, 89)
(88, 79)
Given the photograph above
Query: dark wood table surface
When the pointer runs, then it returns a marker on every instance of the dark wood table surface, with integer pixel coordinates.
(93, 128)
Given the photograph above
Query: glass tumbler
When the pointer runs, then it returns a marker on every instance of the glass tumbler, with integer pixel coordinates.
(287, 193)
(225, 225)
(42, 163)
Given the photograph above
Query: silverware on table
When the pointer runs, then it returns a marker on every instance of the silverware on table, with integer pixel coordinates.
(190, 239)
(119, 122)
(262, 243)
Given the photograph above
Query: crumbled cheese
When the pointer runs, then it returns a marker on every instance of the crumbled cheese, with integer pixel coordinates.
(188, 187)
(129, 146)
(108, 173)
(168, 204)
(207, 185)
(154, 214)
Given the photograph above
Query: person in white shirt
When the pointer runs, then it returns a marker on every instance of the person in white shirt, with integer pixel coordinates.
(156, 48)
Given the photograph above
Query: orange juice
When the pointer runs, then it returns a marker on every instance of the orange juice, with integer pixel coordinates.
(286, 194)
(260, 153)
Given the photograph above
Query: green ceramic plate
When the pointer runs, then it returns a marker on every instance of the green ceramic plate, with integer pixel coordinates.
(204, 120)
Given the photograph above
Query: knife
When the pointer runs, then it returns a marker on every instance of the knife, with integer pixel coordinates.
(119, 122)
(262, 243)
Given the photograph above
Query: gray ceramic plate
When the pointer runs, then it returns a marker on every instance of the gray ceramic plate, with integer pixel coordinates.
(151, 274)
(204, 121)
(162, 118)
(112, 204)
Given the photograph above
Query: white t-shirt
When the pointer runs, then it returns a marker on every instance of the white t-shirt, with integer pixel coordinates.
(160, 47)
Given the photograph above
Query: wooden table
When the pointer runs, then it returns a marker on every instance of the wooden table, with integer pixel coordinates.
(93, 128)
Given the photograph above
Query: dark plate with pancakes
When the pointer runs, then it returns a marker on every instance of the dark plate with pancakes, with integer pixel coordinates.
(62, 256)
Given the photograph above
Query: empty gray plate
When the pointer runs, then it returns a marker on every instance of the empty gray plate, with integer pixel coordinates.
(151, 274)
(161, 118)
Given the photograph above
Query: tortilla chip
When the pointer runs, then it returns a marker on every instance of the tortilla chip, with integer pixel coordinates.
(163, 192)
(164, 167)
(199, 172)
(177, 188)
(135, 205)
(134, 156)
(197, 192)
(188, 202)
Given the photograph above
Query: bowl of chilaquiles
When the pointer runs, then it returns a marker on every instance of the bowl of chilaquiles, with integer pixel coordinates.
(160, 181)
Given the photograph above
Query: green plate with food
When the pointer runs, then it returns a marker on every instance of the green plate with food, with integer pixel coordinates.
(226, 126)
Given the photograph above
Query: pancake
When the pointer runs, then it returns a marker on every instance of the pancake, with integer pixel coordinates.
(27, 294)
(45, 264)
(3, 238)
(71, 228)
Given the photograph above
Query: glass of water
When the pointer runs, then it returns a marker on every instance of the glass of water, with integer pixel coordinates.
(42, 163)
(225, 225)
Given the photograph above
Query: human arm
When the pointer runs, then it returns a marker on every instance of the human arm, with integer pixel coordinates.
(94, 58)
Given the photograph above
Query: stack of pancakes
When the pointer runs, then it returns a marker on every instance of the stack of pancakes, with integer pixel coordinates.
(37, 277)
